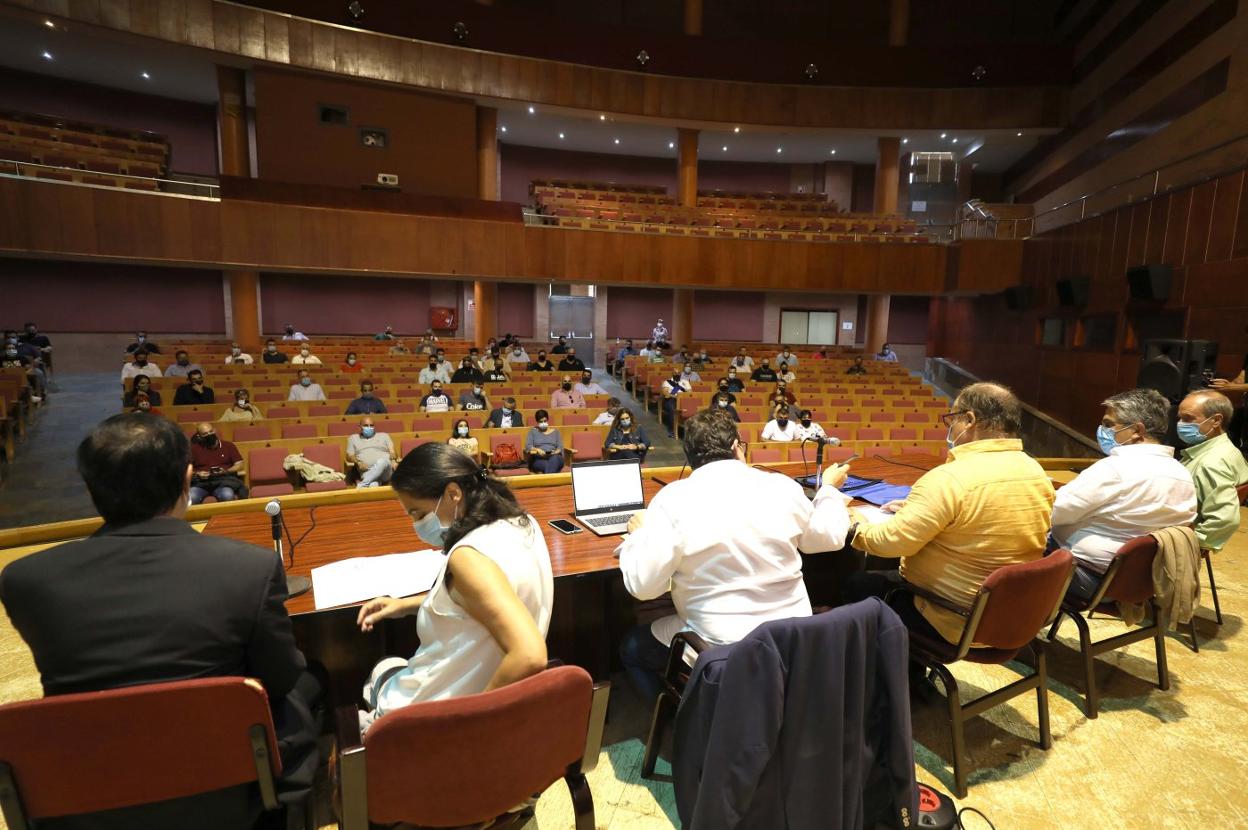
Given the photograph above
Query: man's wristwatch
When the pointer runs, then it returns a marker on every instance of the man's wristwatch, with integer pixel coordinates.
(853, 532)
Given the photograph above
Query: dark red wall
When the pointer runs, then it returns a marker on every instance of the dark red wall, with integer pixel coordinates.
(83, 297)
(864, 188)
(908, 319)
(632, 312)
(754, 177)
(728, 315)
(515, 308)
(343, 305)
(191, 128)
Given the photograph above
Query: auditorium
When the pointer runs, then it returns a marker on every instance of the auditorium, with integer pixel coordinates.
(631, 414)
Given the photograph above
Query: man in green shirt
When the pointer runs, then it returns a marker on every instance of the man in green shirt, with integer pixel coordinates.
(1216, 465)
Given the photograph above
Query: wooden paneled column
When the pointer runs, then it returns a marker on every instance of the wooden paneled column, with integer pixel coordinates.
(682, 317)
(485, 294)
(485, 299)
(235, 160)
(876, 334)
(887, 174)
(687, 168)
(899, 23)
(693, 17)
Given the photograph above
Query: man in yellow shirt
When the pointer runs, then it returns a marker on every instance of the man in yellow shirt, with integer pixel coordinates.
(987, 507)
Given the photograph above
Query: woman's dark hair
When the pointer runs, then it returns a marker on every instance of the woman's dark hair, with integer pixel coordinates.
(425, 473)
(134, 467)
(238, 392)
(540, 414)
(136, 380)
(455, 426)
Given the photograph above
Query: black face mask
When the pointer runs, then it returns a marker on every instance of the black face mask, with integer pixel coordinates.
(567, 387)
(541, 358)
(805, 422)
(782, 422)
(197, 381)
(209, 441)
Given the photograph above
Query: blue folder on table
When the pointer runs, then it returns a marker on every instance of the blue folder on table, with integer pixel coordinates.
(871, 490)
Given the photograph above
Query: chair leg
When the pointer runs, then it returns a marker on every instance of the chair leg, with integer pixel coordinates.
(1191, 632)
(658, 722)
(956, 728)
(1042, 693)
(1057, 623)
(1092, 697)
(582, 799)
(1163, 667)
(1213, 588)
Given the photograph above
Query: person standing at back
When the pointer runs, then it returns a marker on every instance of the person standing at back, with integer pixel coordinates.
(728, 570)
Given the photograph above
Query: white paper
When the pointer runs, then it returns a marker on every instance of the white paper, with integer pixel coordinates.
(871, 515)
(366, 577)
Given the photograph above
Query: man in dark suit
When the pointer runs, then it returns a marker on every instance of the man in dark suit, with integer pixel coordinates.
(505, 416)
(146, 599)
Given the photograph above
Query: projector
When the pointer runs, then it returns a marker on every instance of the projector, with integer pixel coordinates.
(388, 179)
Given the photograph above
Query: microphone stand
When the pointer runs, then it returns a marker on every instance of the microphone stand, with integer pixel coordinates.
(295, 585)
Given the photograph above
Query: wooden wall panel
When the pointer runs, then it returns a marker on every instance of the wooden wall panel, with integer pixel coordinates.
(1155, 244)
(1139, 233)
(1198, 220)
(1240, 248)
(1176, 227)
(1222, 220)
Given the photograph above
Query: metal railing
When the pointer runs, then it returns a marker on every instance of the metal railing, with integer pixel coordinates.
(112, 181)
(1043, 437)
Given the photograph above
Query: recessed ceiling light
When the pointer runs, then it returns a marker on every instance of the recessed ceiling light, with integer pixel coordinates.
(503, 128)
(533, 110)
(942, 135)
(833, 152)
(602, 117)
(955, 141)
(779, 149)
(146, 76)
(49, 24)
(560, 136)
(47, 56)
(671, 145)
(1020, 134)
(724, 148)
(736, 129)
(617, 141)
(905, 141)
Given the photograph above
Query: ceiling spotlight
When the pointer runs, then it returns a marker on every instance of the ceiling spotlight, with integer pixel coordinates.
(560, 136)
(942, 135)
(736, 129)
(145, 76)
(356, 10)
(533, 110)
(460, 31)
(643, 57)
(905, 141)
(811, 72)
(671, 145)
(617, 141)
(49, 24)
(724, 148)
(979, 72)
(955, 141)
(779, 149)
(1020, 135)
(47, 56)
(602, 117)
(833, 152)
(503, 128)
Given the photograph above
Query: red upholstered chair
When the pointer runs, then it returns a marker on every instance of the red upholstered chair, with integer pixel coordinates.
(265, 474)
(331, 456)
(410, 444)
(1130, 580)
(587, 446)
(576, 419)
(426, 424)
(400, 408)
(516, 439)
(343, 428)
(269, 397)
(389, 425)
(495, 750)
(1013, 606)
(766, 455)
(191, 417)
(298, 430)
(323, 410)
(258, 432)
(916, 418)
(284, 411)
(135, 746)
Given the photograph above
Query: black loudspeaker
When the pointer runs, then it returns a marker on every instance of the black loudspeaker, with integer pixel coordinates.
(1018, 298)
(1149, 282)
(1176, 367)
(1074, 291)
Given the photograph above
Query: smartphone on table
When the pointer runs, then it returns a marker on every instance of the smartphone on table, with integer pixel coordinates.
(565, 527)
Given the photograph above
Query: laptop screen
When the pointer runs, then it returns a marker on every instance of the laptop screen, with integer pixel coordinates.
(604, 486)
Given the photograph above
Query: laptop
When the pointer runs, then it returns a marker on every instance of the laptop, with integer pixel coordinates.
(606, 494)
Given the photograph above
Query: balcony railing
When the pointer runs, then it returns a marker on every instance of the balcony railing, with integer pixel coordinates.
(112, 181)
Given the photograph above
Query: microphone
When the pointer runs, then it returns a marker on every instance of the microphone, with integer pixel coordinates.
(295, 585)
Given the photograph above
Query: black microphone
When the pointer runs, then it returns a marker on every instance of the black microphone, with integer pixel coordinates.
(295, 585)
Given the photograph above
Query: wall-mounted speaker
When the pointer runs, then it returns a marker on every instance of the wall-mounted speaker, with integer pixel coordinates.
(1176, 367)
(1149, 282)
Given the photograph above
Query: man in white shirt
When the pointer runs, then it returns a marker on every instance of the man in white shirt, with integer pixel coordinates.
(673, 387)
(305, 356)
(728, 570)
(237, 356)
(436, 400)
(434, 371)
(786, 356)
(781, 427)
(687, 372)
(182, 366)
(518, 355)
(291, 334)
(139, 366)
(1137, 488)
(305, 389)
(608, 417)
(743, 362)
(887, 354)
(659, 334)
(587, 385)
(807, 428)
(373, 455)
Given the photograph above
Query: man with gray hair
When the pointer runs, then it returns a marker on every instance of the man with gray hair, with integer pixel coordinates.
(1139, 487)
(1216, 465)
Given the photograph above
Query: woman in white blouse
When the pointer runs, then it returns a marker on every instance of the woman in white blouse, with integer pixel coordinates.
(483, 624)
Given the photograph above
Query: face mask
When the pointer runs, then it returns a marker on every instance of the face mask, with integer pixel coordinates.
(703, 355)
(141, 338)
(10, 352)
(950, 440)
(805, 422)
(437, 390)
(367, 394)
(182, 361)
(368, 432)
(303, 352)
(516, 352)
(723, 404)
(350, 361)
(142, 361)
(272, 348)
(476, 390)
(567, 387)
(585, 379)
(782, 422)
(430, 528)
(1190, 434)
(235, 351)
(242, 401)
(543, 425)
(732, 375)
(211, 440)
(305, 381)
(688, 371)
(463, 432)
(197, 381)
(506, 411)
(626, 422)
(541, 358)
(1106, 437)
(740, 361)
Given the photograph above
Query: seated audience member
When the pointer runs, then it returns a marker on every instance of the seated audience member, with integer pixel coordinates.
(587, 385)
(649, 350)
(429, 336)
(13, 358)
(181, 365)
(722, 403)
(689, 373)
(778, 400)
(660, 335)
(735, 383)
(561, 347)
(542, 364)
(764, 373)
(570, 362)
(140, 385)
(468, 373)
(238, 357)
(543, 446)
(143, 405)
(291, 334)
(216, 467)
(565, 397)
(505, 416)
(1217, 466)
(723, 391)
(400, 347)
(388, 334)
(626, 439)
(483, 624)
(608, 416)
(436, 400)
(807, 428)
(782, 391)
(785, 374)
(496, 370)
(305, 390)
(743, 362)
(672, 388)
(780, 427)
(139, 366)
(194, 391)
(367, 403)
(243, 409)
(820, 354)
(701, 360)
(146, 599)
(786, 356)
(857, 368)
(623, 352)
(886, 353)
(305, 357)
(474, 357)
(463, 440)
(39, 343)
(372, 453)
(433, 371)
(271, 355)
(985, 508)
(492, 345)
(426, 345)
(18, 349)
(1139, 487)
(445, 365)
(518, 355)
(474, 399)
(352, 364)
(727, 570)
(142, 343)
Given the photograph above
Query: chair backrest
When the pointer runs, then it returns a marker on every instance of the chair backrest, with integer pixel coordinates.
(343, 428)
(329, 455)
(264, 466)
(1133, 571)
(477, 772)
(410, 444)
(766, 455)
(298, 430)
(251, 433)
(588, 445)
(1021, 600)
(97, 751)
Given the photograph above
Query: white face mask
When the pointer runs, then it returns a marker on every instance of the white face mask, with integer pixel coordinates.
(463, 432)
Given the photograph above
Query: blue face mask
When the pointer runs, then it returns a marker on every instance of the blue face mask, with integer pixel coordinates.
(430, 528)
(1190, 434)
(1107, 437)
(950, 440)
(368, 432)
(305, 381)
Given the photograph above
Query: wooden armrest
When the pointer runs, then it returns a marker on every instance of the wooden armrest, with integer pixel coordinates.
(597, 725)
(930, 596)
(352, 776)
(347, 728)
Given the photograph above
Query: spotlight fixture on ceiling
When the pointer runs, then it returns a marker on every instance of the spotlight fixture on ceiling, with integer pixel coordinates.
(832, 151)
(779, 149)
(617, 141)
(736, 129)
(955, 141)
(47, 56)
(561, 136)
(643, 57)
(533, 109)
(145, 76)
(905, 141)
(942, 135)
(979, 72)
(1020, 135)
(503, 128)
(602, 117)
(724, 148)
(460, 31)
(49, 24)
(811, 72)
(355, 9)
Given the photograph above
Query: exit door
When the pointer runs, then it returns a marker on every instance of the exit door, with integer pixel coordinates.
(573, 317)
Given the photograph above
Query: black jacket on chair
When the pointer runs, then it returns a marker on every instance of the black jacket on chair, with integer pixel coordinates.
(803, 725)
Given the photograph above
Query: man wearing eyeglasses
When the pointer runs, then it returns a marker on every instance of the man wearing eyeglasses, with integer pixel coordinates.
(989, 506)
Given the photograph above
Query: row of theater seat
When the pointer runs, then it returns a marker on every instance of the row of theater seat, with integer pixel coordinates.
(17, 412)
(36, 139)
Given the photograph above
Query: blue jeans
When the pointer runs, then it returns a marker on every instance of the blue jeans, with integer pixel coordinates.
(546, 463)
(645, 660)
(222, 493)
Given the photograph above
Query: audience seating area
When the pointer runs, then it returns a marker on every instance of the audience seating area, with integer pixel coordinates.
(799, 216)
(49, 147)
(17, 411)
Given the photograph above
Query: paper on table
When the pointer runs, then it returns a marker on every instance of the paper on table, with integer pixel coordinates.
(873, 515)
(365, 577)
